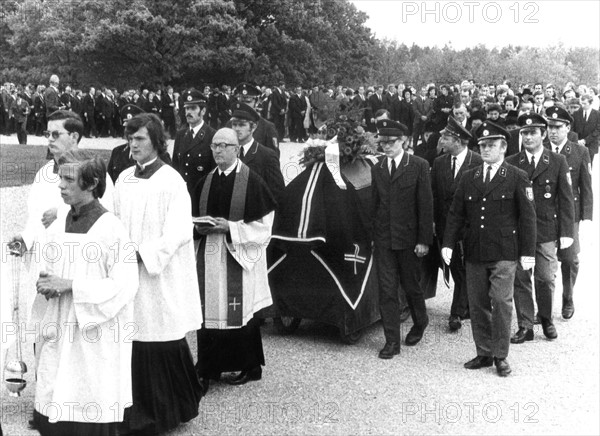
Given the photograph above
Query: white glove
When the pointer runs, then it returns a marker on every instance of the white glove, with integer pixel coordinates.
(447, 255)
(565, 242)
(527, 262)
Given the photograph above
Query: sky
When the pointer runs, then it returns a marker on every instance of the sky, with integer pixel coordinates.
(492, 23)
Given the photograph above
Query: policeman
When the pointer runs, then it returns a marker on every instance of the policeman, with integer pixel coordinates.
(260, 159)
(445, 174)
(120, 157)
(578, 158)
(265, 133)
(192, 155)
(494, 206)
(551, 181)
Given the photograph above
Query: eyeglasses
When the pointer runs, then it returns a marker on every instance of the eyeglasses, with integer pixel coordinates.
(221, 146)
(389, 142)
(55, 134)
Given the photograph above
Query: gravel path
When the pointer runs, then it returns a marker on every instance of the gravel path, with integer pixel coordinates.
(313, 384)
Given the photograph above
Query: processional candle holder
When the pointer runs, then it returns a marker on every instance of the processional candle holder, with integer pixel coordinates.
(16, 368)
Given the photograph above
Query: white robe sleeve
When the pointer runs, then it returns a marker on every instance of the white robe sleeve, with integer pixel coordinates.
(176, 232)
(40, 199)
(107, 199)
(249, 240)
(97, 300)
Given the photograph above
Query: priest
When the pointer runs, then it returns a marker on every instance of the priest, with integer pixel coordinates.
(83, 311)
(234, 212)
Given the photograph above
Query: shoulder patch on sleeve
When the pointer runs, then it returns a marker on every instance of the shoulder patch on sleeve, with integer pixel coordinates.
(529, 192)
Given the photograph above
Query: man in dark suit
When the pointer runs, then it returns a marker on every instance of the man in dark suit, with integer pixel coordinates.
(389, 96)
(297, 112)
(89, 113)
(445, 175)
(192, 156)
(257, 157)
(67, 98)
(168, 111)
(402, 232)
(375, 102)
(39, 109)
(494, 206)
(265, 133)
(278, 108)
(578, 159)
(586, 123)
(51, 96)
(551, 180)
(224, 105)
(421, 106)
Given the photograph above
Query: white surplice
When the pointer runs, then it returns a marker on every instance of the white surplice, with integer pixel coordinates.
(84, 342)
(157, 214)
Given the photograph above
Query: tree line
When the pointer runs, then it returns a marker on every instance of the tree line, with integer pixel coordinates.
(127, 43)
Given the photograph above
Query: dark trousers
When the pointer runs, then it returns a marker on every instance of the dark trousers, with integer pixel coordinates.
(297, 130)
(569, 266)
(90, 127)
(395, 268)
(22, 131)
(490, 290)
(279, 121)
(544, 274)
(460, 299)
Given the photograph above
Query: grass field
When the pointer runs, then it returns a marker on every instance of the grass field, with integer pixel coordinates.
(20, 163)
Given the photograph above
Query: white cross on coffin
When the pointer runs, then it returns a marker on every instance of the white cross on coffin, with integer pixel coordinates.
(355, 258)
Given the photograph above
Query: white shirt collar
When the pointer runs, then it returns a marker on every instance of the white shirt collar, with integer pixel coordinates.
(560, 146)
(197, 128)
(247, 146)
(460, 158)
(537, 155)
(230, 169)
(143, 166)
(397, 159)
(494, 170)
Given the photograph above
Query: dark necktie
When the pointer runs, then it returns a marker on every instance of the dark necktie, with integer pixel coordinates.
(453, 166)
(393, 167)
(557, 150)
(242, 154)
(192, 133)
(488, 175)
(531, 167)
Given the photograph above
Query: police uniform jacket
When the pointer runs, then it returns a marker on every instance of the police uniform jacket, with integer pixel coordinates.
(499, 220)
(578, 159)
(192, 157)
(120, 159)
(551, 182)
(402, 204)
(265, 163)
(444, 186)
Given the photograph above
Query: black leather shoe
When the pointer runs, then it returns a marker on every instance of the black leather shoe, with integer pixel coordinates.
(415, 334)
(454, 322)
(549, 329)
(479, 362)
(389, 350)
(522, 335)
(404, 314)
(502, 367)
(245, 376)
(568, 310)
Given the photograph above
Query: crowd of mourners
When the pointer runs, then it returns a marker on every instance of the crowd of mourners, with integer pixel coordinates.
(498, 177)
